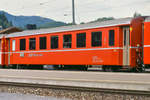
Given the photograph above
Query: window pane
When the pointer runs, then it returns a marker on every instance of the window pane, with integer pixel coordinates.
(13, 45)
(22, 44)
(42, 42)
(54, 42)
(81, 40)
(111, 38)
(67, 41)
(96, 39)
(0, 45)
(32, 44)
(124, 37)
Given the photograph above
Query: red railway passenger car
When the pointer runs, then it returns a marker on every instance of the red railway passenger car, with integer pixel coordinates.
(146, 39)
(113, 44)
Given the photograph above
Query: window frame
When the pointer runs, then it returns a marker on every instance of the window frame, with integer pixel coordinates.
(112, 40)
(124, 37)
(67, 44)
(13, 45)
(57, 46)
(22, 45)
(78, 40)
(32, 41)
(99, 42)
(40, 46)
(0, 44)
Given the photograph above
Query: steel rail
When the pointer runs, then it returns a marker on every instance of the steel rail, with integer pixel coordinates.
(73, 88)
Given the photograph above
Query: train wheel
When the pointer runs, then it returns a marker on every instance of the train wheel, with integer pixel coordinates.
(107, 69)
(85, 68)
(81, 67)
(141, 69)
(138, 70)
(58, 67)
(110, 68)
(104, 68)
(115, 69)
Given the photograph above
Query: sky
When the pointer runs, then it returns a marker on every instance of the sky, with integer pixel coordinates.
(85, 10)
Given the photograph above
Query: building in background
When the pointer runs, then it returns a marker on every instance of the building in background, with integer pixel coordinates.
(10, 30)
(31, 26)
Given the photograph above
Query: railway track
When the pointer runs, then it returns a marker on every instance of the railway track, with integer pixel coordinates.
(76, 84)
(80, 89)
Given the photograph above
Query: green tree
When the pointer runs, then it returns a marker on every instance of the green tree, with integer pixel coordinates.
(4, 22)
(136, 14)
(103, 19)
(82, 23)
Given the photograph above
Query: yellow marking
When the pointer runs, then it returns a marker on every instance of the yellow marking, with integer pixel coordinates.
(131, 29)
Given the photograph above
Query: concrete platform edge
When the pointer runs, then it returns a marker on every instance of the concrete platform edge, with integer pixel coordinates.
(102, 85)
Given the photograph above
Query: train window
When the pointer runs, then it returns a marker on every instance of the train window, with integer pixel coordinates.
(81, 40)
(67, 41)
(43, 43)
(0, 45)
(96, 39)
(22, 44)
(125, 37)
(111, 37)
(13, 45)
(54, 42)
(32, 44)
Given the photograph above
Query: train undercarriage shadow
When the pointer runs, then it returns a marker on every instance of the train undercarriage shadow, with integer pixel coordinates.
(88, 68)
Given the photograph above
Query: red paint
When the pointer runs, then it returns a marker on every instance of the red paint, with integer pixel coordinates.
(103, 57)
(87, 57)
(146, 43)
(136, 39)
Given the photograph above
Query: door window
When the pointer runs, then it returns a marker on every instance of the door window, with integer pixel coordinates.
(13, 45)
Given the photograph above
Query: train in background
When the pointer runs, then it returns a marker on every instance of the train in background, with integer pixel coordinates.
(114, 44)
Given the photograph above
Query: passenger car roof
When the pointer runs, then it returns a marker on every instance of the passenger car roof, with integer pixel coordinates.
(147, 19)
(115, 22)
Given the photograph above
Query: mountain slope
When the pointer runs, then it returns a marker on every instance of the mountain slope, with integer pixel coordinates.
(22, 21)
